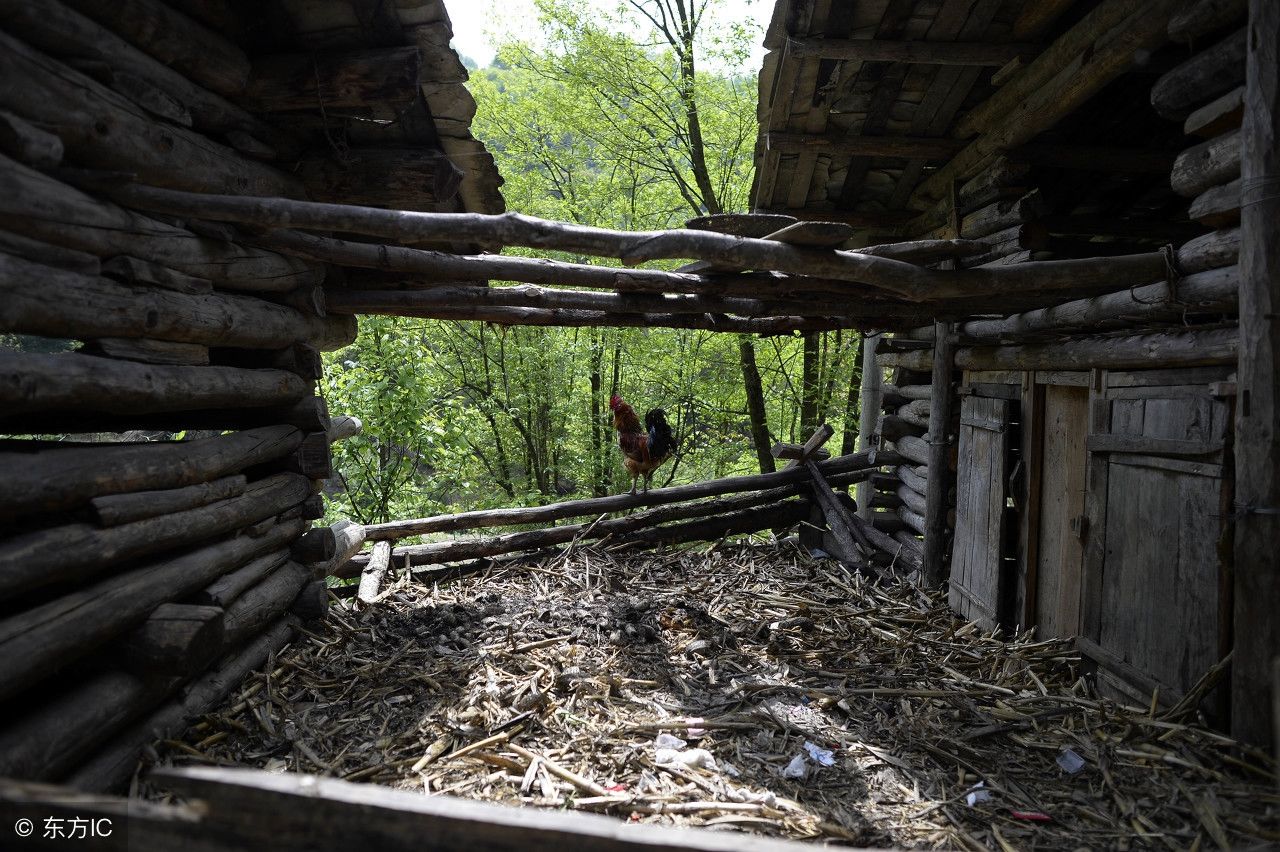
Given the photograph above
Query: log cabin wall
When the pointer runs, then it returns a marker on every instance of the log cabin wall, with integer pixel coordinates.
(1084, 470)
(161, 440)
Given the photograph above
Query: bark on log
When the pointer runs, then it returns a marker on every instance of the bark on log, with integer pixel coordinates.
(1205, 17)
(75, 552)
(308, 414)
(260, 605)
(112, 767)
(1117, 352)
(1210, 251)
(916, 412)
(174, 39)
(49, 255)
(428, 296)
(1218, 207)
(1207, 165)
(372, 575)
(45, 478)
(909, 556)
(388, 77)
(906, 280)
(1213, 291)
(893, 428)
(132, 270)
(59, 31)
(600, 505)
(1210, 73)
(176, 639)
(782, 450)
(914, 520)
(27, 143)
(924, 252)
(1256, 591)
(223, 591)
(617, 529)
(115, 509)
(777, 516)
(913, 449)
(913, 479)
(55, 734)
(35, 204)
(35, 643)
(912, 499)
(103, 130)
(403, 178)
(67, 382)
(939, 440)
(165, 352)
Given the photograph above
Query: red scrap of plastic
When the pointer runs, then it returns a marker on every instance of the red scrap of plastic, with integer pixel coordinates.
(1034, 816)
(635, 817)
(615, 788)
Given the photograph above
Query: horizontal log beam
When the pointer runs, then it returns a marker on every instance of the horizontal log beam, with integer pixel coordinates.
(1206, 165)
(112, 767)
(37, 205)
(32, 384)
(58, 30)
(394, 530)
(73, 553)
(100, 129)
(1128, 352)
(1211, 72)
(176, 640)
(309, 414)
(114, 509)
(728, 512)
(257, 607)
(334, 80)
(1214, 291)
(918, 52)
(174, 39)
(67, 304)
(35, 643)
(903, 279)
(907, 147)
(223, 591)
(1082, 61)
(50, 477)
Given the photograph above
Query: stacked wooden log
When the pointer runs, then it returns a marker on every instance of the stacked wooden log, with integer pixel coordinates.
(140, 579)
(903, 427)
(1000, 206)
(1206, 93)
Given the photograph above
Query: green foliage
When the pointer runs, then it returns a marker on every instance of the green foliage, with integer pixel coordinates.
(609, 121)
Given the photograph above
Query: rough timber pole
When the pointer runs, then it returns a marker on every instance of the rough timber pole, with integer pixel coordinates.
(868, 413)
(935, 529)
(1257, 543)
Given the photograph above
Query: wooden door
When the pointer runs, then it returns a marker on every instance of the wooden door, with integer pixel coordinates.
(978, 582)
(1059, 553)
(1157, 586)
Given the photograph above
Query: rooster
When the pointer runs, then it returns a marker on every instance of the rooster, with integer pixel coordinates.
(643, 450)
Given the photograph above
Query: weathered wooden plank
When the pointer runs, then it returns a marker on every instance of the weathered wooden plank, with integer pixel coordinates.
(1257, 441)
(977, 576)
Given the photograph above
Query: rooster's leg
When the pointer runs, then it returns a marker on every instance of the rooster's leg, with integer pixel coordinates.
(647, 477)
(633, 486)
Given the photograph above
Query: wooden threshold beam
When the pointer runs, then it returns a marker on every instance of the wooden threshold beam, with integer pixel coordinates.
(918, 52)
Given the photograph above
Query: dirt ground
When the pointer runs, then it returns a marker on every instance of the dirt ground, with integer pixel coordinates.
(739, 686)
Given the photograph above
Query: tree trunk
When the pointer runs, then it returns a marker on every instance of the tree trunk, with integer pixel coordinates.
(849, 435)
(755, 403)
(809, 387)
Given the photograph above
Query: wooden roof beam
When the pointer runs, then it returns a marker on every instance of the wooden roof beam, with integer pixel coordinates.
(863, 146)
(1097, 50)
(917, 52)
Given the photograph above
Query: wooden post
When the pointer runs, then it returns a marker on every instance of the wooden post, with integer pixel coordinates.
(868, 414)
(939, 447)
(1257, 443)
(374, 572)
